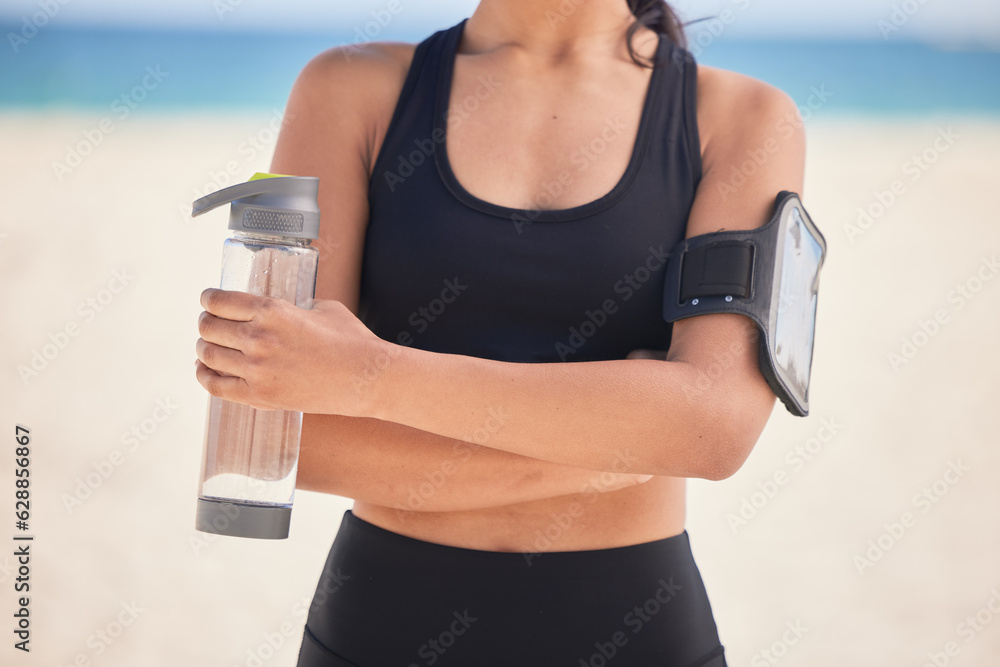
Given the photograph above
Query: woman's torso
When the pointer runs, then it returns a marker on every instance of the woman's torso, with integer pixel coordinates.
(613, 157)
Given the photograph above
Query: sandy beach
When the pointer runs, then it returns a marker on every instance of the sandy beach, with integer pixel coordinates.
(865, 534)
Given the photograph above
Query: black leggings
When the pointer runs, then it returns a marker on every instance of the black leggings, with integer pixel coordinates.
(386, 600)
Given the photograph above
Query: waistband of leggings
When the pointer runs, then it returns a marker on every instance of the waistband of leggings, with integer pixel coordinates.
(672, 552)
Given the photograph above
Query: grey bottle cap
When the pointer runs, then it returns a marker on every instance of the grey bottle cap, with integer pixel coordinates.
(275, 205)
(236, 519)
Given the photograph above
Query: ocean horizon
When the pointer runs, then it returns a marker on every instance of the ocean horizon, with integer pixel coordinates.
(87, 69)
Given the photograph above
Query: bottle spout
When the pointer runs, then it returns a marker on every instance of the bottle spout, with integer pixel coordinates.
(269, 203)
(259, 184)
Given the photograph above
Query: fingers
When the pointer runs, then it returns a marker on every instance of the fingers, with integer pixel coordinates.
(224, 332)
(232, 305)
(228, 387)
(661, 355)
(620, 480)
(220, 359)
(233, 322)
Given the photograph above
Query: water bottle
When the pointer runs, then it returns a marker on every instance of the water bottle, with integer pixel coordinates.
(251, 456)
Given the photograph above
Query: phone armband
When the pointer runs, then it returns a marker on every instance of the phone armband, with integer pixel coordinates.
(769, 274)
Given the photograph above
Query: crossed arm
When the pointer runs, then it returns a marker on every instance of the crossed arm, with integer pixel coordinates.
(392, 465)
(676, 416)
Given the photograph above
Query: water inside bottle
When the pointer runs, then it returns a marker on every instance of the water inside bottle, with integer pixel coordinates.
(251, 454)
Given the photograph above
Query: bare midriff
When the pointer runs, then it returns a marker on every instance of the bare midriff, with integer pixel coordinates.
(642, 513)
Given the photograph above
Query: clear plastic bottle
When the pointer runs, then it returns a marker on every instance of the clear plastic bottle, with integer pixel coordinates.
(251, 456)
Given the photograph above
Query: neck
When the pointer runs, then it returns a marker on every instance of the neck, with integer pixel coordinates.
(551, 29)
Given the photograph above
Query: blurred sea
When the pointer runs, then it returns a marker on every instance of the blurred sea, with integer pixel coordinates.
(91, 68)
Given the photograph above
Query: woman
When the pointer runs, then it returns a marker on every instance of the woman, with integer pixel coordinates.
(486, 371)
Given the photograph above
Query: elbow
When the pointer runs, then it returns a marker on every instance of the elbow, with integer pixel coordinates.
(741, 413)
(723, 449)
(713, 433)
(723, 462)
(711, 456)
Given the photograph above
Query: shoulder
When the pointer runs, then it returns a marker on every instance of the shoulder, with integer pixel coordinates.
(356, 64)
(737, 113)
(350, 92)
(752, 145)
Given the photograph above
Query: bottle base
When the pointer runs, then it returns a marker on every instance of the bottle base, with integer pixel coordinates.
(237, 519)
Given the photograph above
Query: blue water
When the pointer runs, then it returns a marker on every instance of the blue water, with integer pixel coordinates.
(90, 69)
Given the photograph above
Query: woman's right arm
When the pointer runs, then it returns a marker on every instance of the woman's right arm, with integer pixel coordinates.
(337, 115)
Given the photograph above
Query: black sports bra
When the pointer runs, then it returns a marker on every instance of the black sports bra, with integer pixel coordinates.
(445, 271)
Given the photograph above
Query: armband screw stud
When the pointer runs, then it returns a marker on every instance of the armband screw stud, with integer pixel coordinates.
(694, 302)
(729, 298)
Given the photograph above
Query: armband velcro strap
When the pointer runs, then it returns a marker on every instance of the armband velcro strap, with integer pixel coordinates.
(724, 268)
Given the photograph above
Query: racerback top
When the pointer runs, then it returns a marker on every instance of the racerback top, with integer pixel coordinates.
(445, 271)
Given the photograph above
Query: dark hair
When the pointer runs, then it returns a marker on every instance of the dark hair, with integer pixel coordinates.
(658, 16)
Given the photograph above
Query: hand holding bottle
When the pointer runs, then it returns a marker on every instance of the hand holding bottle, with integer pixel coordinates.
(271, 354)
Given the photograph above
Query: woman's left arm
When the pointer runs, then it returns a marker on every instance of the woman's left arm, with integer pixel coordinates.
(696, 413)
